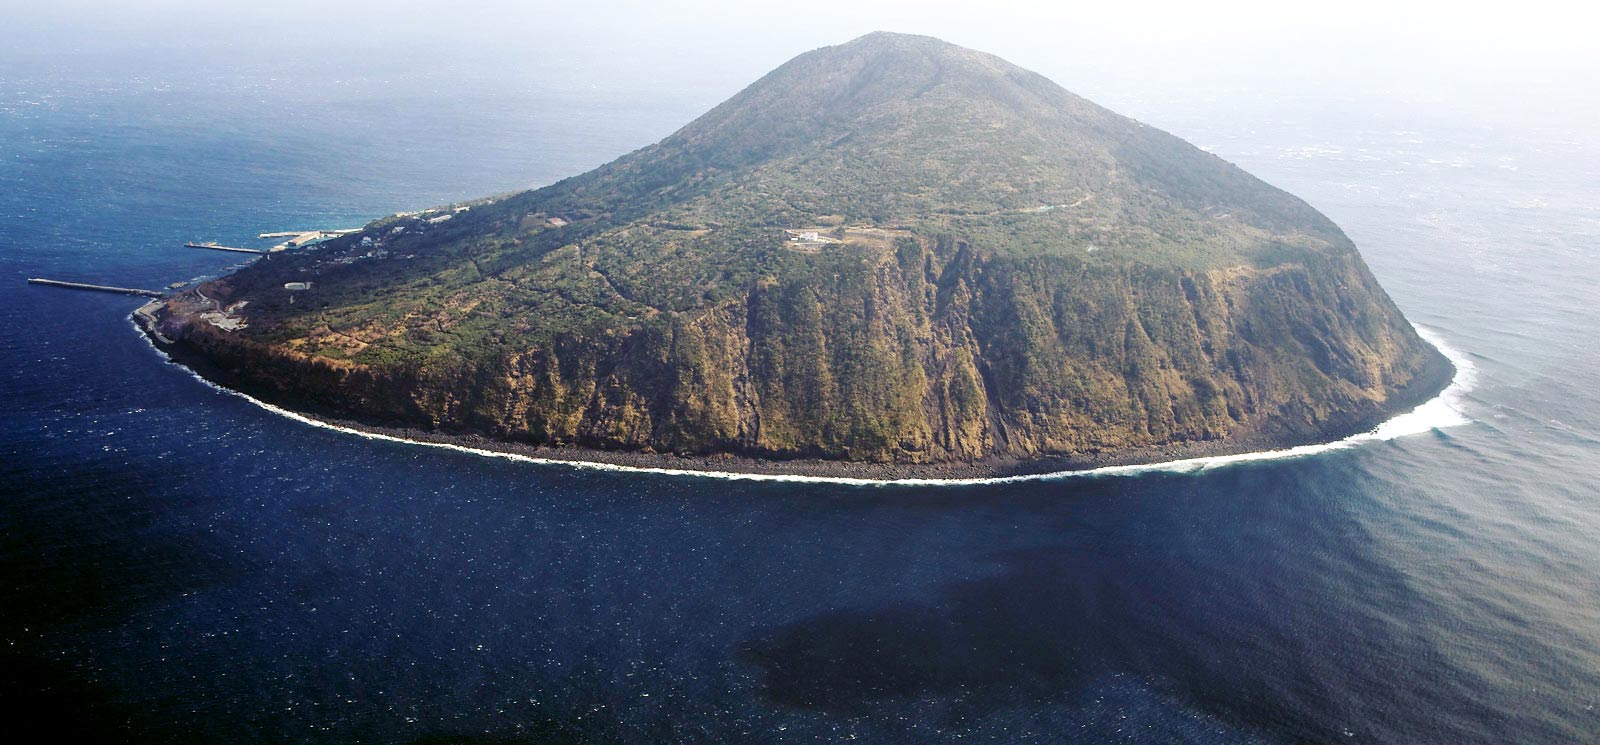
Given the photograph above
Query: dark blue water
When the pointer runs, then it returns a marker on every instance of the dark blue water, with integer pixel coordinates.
(177, 564)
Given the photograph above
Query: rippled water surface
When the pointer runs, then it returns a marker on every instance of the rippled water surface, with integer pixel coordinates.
(179, 564)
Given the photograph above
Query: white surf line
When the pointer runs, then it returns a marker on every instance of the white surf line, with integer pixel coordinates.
(1444, 410)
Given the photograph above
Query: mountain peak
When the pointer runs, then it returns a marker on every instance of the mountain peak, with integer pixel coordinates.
(900, 128)
(893, 42)
(899, 40)
(922, 61)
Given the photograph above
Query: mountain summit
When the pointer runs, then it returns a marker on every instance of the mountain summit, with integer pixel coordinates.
(893, 251)
(893, 127)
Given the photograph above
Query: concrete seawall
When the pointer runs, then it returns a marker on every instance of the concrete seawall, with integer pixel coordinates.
(96, 288)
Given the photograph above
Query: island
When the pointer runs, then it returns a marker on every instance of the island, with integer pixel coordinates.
(890, 258)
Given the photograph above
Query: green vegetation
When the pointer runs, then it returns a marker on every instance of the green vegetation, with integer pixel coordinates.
(1016, 272)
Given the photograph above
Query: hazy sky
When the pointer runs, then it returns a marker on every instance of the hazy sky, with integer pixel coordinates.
(1527, 54)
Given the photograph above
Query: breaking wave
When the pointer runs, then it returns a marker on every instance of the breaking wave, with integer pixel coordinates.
(1442, 411)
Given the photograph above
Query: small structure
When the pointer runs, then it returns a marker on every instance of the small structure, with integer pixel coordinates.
(808, 241)
(296, 286)
(224, 320)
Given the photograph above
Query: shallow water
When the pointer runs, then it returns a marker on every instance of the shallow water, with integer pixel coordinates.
(181, 564)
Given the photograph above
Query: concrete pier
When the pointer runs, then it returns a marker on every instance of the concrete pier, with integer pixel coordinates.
(96, 288)
(298, 233)
(215, 247)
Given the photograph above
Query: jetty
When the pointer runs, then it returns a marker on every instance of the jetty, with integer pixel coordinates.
(216, 247)
(297, 233)
(96, 288)
(306, 237)
(296, 239)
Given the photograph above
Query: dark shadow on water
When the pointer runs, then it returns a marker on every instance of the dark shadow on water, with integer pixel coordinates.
(988, 637)
(79, 552)
(1050, 629)
(85, 549)
(43, 695)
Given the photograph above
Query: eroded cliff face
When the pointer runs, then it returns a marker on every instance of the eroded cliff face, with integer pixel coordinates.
(929, 351)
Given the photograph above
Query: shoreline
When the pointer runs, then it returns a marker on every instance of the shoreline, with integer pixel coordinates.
(1425, 405)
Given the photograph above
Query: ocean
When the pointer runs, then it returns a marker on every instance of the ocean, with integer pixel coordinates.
(178, 564)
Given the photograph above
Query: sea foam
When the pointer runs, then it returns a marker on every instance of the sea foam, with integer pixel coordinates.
(1443, 411)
